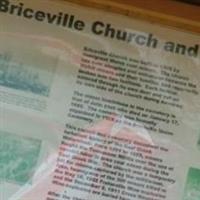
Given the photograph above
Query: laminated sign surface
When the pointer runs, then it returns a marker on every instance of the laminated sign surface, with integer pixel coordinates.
(95, 106)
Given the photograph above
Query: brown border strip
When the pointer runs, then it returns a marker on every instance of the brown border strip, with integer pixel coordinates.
(166, 12)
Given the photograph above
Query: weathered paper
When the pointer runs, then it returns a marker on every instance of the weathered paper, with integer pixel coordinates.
(96, 106)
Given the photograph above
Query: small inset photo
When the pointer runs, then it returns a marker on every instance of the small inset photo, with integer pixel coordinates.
(18, 158)
(192, 188)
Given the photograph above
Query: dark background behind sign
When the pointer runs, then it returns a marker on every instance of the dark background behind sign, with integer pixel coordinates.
(172, 13)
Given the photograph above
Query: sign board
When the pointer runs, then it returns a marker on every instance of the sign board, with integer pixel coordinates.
(96, 106)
